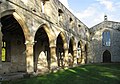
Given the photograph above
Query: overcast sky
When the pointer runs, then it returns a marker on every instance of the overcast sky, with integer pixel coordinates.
(91, 12)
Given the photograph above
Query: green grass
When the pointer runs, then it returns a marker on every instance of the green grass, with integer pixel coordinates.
(85, 74)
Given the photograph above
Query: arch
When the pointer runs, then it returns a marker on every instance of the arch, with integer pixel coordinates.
(14, 41)
(83, 45)
(71, 46)
(72, 39)
(106, 56)
(41, 50)
(19, 20)
(61, 45)
(79, 52)
(63, 35)
(48, 32)
(71, 51)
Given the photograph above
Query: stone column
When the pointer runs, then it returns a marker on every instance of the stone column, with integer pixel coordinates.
(0, 48)
(83, 57)
(53, 64)
(29, 57)
(0, 42)
(66, 57)
(75, 57)
(0, 35)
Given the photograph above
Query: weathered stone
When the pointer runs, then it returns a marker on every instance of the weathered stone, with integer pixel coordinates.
(96, 42)
(30, 27)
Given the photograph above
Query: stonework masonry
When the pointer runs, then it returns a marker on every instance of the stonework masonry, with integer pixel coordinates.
(39, 36)
(96, 41)
(46, 24)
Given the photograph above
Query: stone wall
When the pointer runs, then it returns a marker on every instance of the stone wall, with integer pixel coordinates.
(97, 48)
(31, 16)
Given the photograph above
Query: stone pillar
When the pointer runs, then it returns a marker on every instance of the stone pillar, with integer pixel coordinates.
(83, 57)
(29, 57)
(0, 48)
(0, 42)
(75, 57)
(54, 64)
(66, 57)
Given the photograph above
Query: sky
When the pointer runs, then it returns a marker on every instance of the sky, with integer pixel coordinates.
(91, 12)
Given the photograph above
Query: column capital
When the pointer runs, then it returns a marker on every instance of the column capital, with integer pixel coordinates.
(66, 48)
(52, 46)
(27, 42)
(75, 50)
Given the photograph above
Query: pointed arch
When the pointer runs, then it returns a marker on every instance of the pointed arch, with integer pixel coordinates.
(86, 53)
(79, 52)
(48, 32)
(72, 39)
(28, 44)
(19, 20)
(63, 35)
(106, 56)
(72, 51)
(15, 34)
(42, 55)
(61, 45)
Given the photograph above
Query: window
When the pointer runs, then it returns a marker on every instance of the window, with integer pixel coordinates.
(3, 51)
(6, 54)
(71, 20)
(42, 4)
(79, 25)
(71, 23)
(106, 38)
(60, 15)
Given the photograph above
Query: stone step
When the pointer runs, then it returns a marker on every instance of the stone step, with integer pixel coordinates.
(11, 76)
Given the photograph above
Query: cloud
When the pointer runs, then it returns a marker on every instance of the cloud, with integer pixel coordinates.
(95, 12)
(107, 3)
(91, 15)
(86, 13)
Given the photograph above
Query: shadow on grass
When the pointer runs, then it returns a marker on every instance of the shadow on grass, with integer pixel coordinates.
(85, 74)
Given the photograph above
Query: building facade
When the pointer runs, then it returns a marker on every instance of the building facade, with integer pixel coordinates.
(39, 35)
(43, 35)
(105, 42)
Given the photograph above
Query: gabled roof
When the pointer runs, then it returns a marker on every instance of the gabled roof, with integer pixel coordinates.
(106, 24)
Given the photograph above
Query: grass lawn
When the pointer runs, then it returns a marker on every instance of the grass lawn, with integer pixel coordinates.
(84, 74)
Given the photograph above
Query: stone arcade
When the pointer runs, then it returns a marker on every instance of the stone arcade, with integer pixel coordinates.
(43, 35)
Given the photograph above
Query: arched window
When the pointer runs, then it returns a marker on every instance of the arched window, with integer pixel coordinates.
(3, 51)
(6, 49)
(106, 38)
(43, 5)
(60, 15)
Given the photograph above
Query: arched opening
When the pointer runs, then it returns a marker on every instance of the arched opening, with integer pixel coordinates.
(106, 57)
(41, 51)
(60, 16)
(13, 47)
(70, 53)
(60, 51)
(86, 58)
(71, 47)
(106, 41)
(79, 53)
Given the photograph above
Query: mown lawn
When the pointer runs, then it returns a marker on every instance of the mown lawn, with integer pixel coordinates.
(84, 74)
